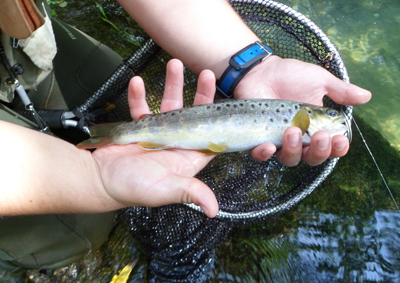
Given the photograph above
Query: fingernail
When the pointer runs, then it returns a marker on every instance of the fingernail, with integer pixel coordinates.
(322, 144)
(294, 139)
(265, 153)
(339, 146)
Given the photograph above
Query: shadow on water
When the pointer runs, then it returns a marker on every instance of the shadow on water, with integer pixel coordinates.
(346, 231)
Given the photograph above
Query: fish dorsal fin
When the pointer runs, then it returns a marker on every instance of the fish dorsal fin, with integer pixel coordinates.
(145, 116)
(152, 145)
(218, 148)
(301, 120)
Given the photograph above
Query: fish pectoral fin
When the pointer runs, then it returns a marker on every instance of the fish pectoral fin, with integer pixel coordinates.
(218, 148)
(207, 152)
(152, 145)
(301, 120)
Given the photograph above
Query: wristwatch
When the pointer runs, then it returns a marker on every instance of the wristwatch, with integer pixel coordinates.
(240, 64)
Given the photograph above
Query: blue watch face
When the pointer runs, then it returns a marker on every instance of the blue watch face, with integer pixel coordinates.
(250, 55)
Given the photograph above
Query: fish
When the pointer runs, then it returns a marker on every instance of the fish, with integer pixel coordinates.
(226, 126)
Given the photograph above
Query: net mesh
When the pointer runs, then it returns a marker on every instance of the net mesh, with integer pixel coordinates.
(180, 240)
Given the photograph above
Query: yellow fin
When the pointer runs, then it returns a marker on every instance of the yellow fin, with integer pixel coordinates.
(301, 120)
(124, 275)
(217, 147)
(152, 145)
(206, 152)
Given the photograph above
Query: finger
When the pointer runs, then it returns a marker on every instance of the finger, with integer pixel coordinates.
(292, 147)
(205, 88)
(263, 152)
(319, 149)
(189, 190)
(137, 98)
(173, 93)
(340, 146)
(346, 93)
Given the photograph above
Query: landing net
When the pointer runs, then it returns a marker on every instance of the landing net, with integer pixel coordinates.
(180, 237)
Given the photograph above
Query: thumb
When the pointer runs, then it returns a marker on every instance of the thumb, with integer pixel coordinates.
(191, 190)
(346, 93)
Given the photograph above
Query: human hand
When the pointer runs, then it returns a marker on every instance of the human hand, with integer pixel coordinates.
(290, 79)
(133, 176)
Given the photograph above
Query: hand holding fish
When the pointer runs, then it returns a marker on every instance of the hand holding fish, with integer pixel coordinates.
(289, 79)
(133, 176)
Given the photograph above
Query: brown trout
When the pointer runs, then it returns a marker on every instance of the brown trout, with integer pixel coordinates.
(225, 126)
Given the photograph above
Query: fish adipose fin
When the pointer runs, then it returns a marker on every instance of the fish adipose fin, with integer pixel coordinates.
(301, 120)
(152, 145)
(218, 148)
(99, 136)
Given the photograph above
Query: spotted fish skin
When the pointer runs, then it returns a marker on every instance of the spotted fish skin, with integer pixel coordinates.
(225, 126)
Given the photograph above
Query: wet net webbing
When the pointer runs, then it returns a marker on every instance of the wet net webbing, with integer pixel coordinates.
(180, 241)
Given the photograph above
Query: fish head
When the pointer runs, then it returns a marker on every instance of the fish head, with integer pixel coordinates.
(327, 119)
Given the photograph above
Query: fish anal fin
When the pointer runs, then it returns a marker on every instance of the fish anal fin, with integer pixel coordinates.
(301, 120)
(152, 145)
(218, 148)
(95, 143)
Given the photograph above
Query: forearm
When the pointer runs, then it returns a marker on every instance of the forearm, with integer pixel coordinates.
(204, 34)
(40, 174)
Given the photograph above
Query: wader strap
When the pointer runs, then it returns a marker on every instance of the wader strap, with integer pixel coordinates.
(21, 91)
(19, 18)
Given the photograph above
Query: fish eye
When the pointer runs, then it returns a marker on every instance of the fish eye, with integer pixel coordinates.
(332, 113)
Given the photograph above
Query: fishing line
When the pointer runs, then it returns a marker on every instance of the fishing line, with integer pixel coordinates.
(376, 164)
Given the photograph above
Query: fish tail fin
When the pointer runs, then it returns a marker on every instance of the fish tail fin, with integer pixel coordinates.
(99, 136)
(95, 143)
(102, 130)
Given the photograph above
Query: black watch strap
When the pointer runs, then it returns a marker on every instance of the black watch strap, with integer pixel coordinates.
(240, 64)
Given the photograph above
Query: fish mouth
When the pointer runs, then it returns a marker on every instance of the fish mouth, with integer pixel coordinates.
(346, 121)
(308, 134)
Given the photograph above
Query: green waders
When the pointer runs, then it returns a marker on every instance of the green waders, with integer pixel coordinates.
(51, 241)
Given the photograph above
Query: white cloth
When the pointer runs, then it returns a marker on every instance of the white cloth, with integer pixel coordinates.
(41, 46)
(36, 57)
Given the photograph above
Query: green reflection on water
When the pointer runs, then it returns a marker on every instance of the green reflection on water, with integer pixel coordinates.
(366, 33)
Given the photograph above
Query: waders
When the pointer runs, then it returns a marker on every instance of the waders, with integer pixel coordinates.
(50, 241)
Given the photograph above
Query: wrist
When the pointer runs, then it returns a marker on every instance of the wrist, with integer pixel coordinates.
(260, 78)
